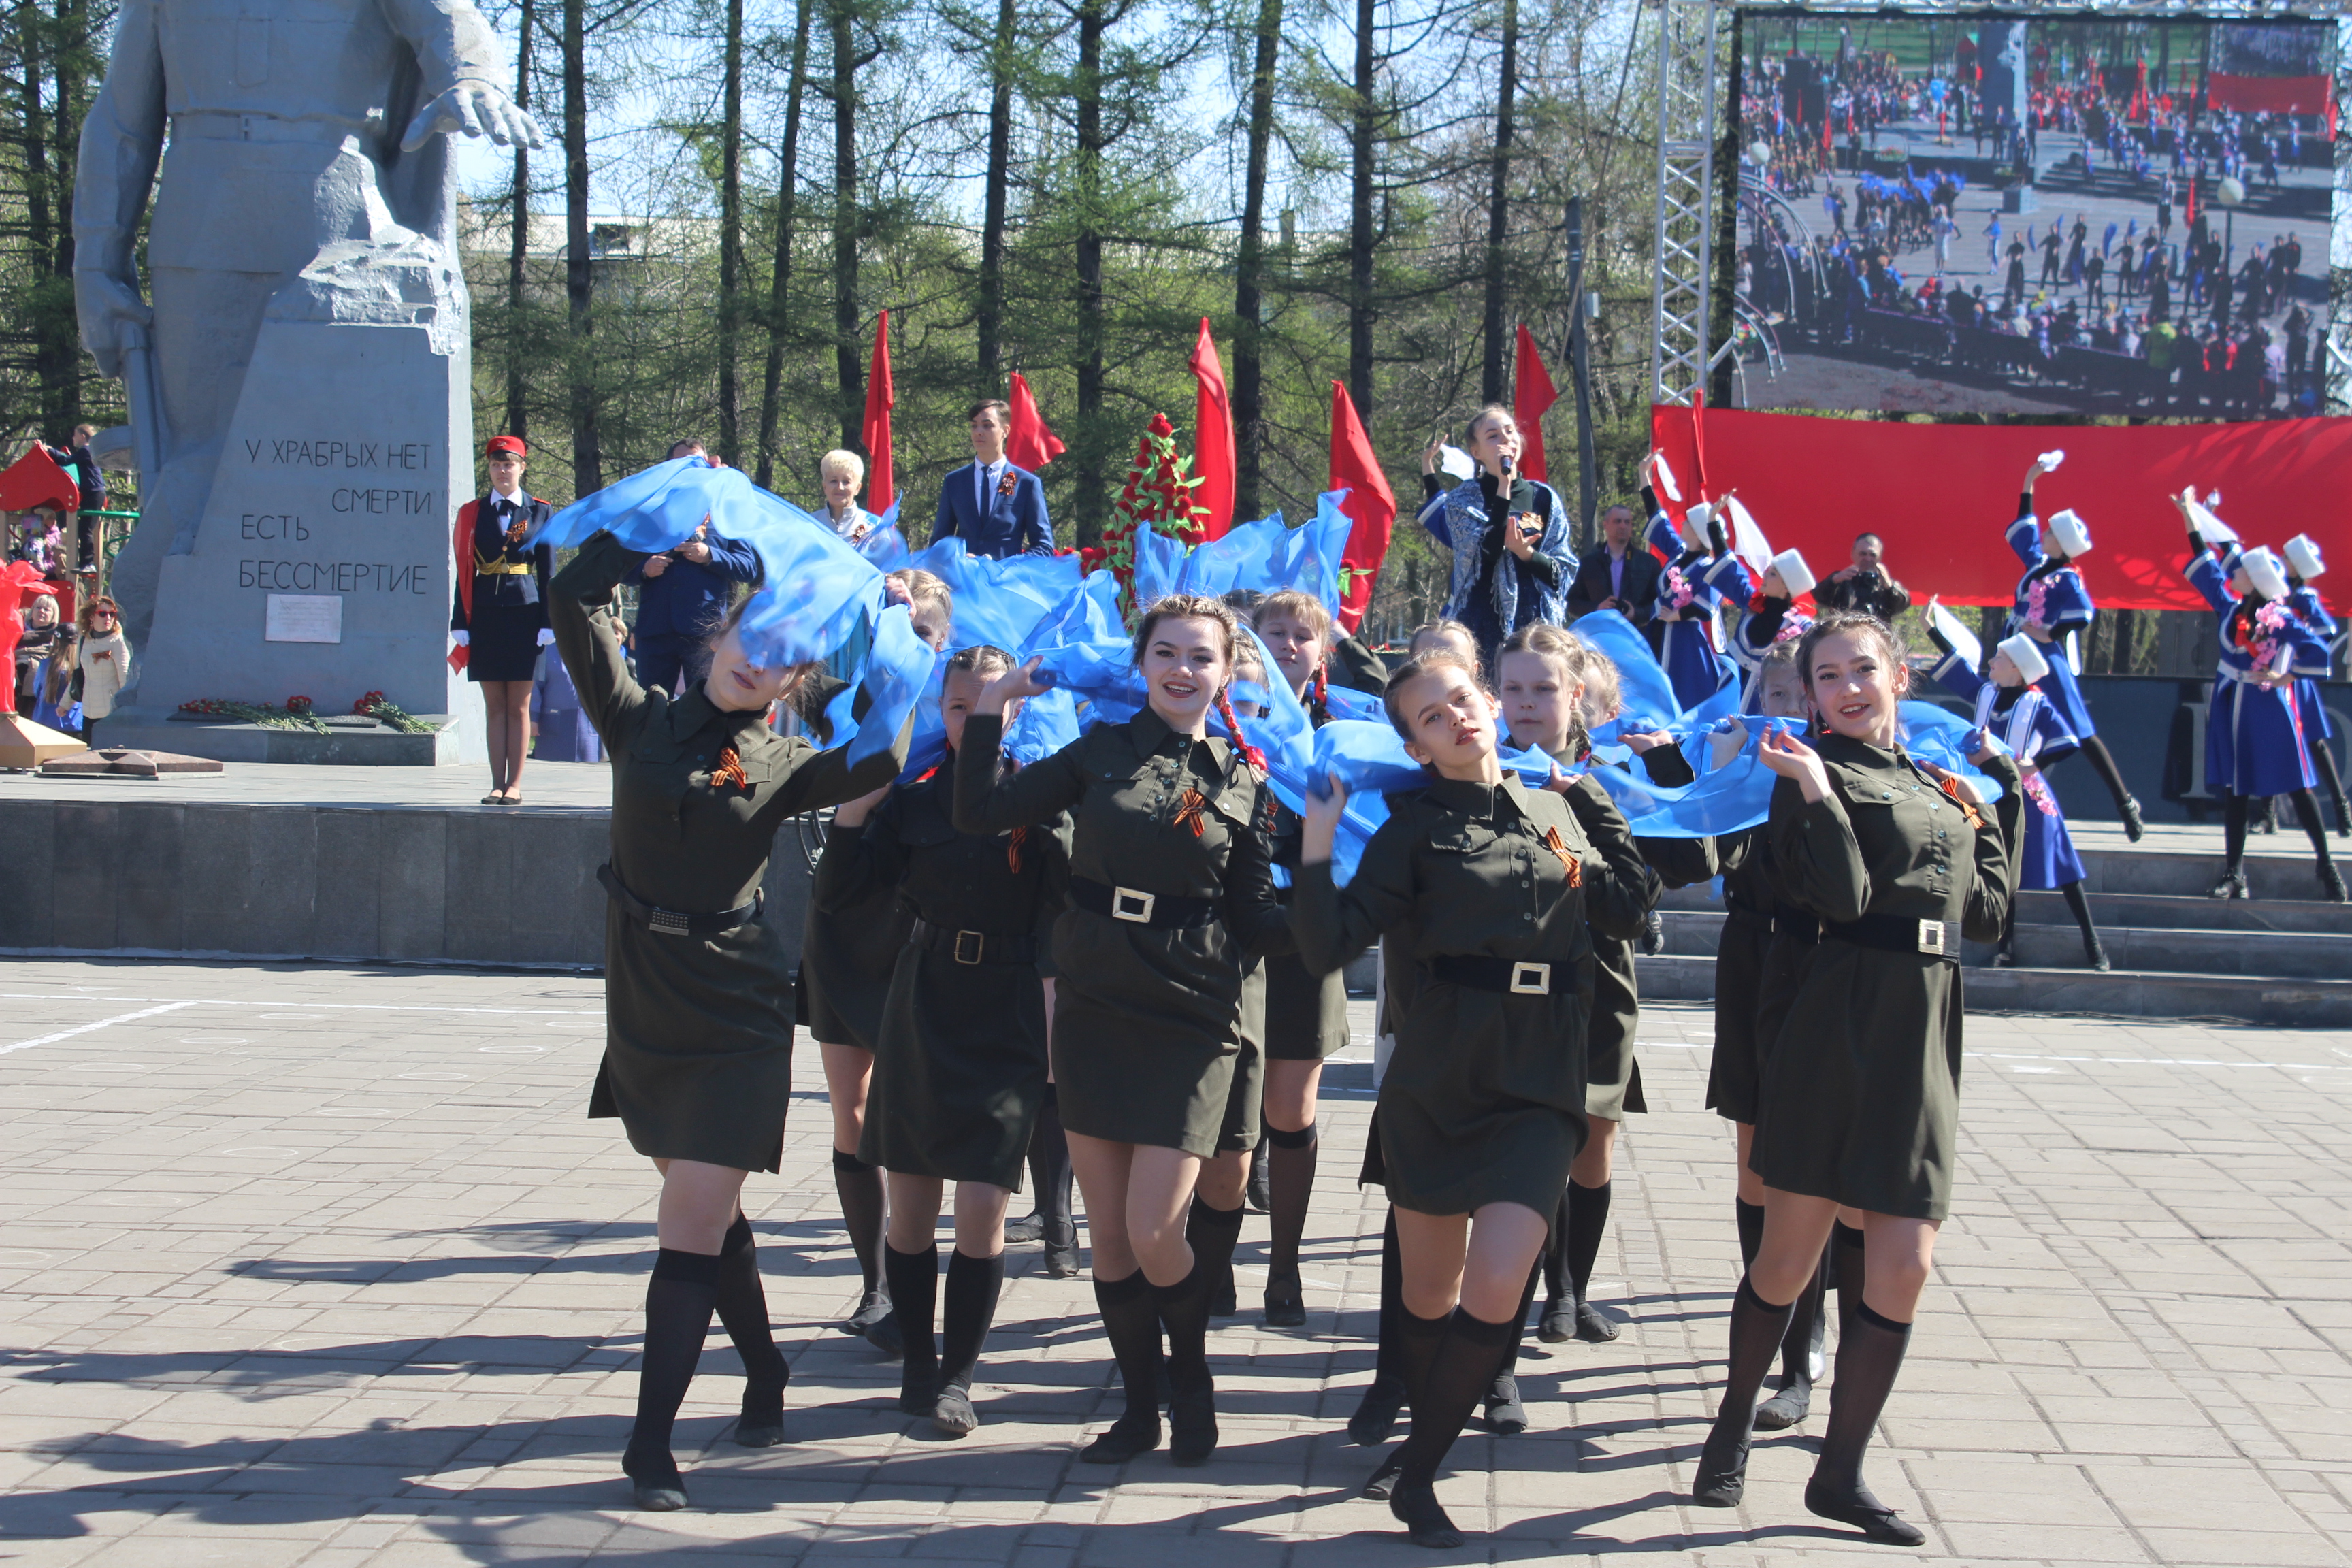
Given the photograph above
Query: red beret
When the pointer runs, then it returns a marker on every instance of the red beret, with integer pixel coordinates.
(506, 444)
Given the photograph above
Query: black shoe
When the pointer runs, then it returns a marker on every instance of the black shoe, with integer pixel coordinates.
(1591, 1327)
(1259, 1191)
(1375, 1417)
(1062, 1250)
(953, 1413)
(2134, 828)
(2233, 885)
(1785, 1409)
(761, 1423)
(1030, 1227)
(1225, 1301)
(918, 1392)
(1193, 1426)
(1505, 1414)
(1856, 1506)
(1137, 1432)
(1722, 1468)
(1425, 1524)
(1558, 1322)
(660, 1489)
(1383, 1481)
(2005, 958)
(2331, 885)
(1286, 1302)
(1653, 934)
(882, 1333)
(2095, 955)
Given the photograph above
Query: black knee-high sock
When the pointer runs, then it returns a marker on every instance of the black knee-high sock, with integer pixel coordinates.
(1132, 1322)
(1869, 1354)
(1555, 1253)
(2103, 763)
(1460, 1372)
(2234, 811)
(1527, 1300)
(1185, 1314)
(1797, 1342)
(1213, 1233)
(2081, 906)
(1847, 1245)
(1388, 1365)
(742, 1305)
(973, 1286)
(2306, 811)
(864, 1209)
(1588, 1223)
(914, 1280)
(1417, 1339)
(1291, 1157)
(679, 1300)
(2323, 760)
(1757, 1326)
(1049, 1162)
(1750, 1218)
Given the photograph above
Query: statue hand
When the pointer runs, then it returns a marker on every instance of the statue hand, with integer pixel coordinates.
(477, 108)
(106, 304)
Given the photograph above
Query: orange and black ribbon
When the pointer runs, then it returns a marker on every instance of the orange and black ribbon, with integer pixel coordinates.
(1189, 813)
(729, 769)
(1558, 846)
(1013, 841)
(1951, 787)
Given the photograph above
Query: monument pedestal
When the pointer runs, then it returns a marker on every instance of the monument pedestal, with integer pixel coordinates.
(323, 566)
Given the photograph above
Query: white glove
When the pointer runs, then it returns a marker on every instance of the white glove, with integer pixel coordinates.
(2050, 461)
(461, 638)
(546, 635)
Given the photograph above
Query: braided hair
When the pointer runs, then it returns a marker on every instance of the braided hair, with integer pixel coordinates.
(1200, 608)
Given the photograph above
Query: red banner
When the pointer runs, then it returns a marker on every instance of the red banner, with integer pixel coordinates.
(1941, 496)
(881, 397)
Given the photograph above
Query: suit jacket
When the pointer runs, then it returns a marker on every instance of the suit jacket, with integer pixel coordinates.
(1641, 591)
(689, 598)
(1014, 524)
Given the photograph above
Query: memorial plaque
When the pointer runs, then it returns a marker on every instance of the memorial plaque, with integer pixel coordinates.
(305, 617)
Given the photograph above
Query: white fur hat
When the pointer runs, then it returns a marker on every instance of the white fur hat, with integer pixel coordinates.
(2071, 534)
(2303, 555)
(2026, 654)
(1695, 521)
(2266, 570)
(1795, 574)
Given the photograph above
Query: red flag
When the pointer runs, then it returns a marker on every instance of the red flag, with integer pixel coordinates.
(880, 398)
(1030, 444)
(1531, 393)
(2189, 215)
(1212, 439)
(1370, 504)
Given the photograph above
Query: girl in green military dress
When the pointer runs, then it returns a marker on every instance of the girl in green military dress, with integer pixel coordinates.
(846, 960)
(697, 989)
(1860, 1102)
(960, 1059)
(1488, 886)
(1170, 889)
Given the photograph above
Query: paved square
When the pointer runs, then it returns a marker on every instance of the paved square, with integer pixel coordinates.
(315, 1265)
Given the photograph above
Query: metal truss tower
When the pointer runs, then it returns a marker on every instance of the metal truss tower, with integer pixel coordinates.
(1689, 90)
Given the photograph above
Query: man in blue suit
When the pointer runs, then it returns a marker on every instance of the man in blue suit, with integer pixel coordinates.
(682, 597)
(994, 506)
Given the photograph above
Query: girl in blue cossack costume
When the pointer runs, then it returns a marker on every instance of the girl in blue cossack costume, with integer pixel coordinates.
(1703, 573)
(2254, 735)
(2312, 666)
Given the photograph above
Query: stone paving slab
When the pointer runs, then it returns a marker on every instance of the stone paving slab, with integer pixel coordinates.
(325, 1266)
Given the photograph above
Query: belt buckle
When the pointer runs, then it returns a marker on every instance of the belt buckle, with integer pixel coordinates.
(1127, 904)
(1931, 937)
(1531, 979)
(670, 922)
(979, 946)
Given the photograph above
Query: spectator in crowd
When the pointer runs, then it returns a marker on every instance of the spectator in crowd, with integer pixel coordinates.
(55, 682)
(1616, 573)
(995, 507)
(565, 732)
(91, 484)
(105, 663)
(1864, 585)
(842, 473)
(1509, 535)
(33, 646)
(682, 595)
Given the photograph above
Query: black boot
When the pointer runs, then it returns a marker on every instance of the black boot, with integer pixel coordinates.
(1588, 1222)
(2322, 762)
(864, 1209)
(1757, 1326)
(1869, 1356)
(2134, 828)
(1799, 1346)
(1191, 1392)
(1460, 1372)
(974, 1286)
(1385, 1394)
(1211, 1232)
(1258, 1194)
(1559, 1324)
(679, 1300)
(914, 1280)
(1049, 1168)
(744, 1309)
(2306, 811)
(1290, 1161)
(1132, 1322)
(2103, 763)
(2094, 954)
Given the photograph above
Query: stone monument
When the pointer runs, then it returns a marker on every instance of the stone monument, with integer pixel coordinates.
(298, 368)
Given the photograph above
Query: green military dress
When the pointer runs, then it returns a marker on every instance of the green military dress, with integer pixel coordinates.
(1860, 1095)
(699, 1034)
(847, 952)
(1305, 1015)
(1146, 1018)
(959, 1056)
(1759, 963)
(1483, 1098)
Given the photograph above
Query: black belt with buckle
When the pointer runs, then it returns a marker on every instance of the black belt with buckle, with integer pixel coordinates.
(675, 923)
(1897, 933)
(1504, 976)
(1164, 911)
(975, 946)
